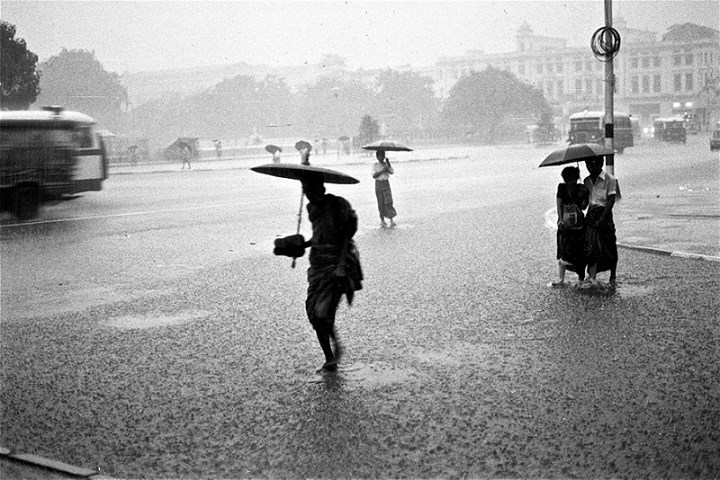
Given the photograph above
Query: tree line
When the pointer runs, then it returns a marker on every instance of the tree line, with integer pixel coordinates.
(402, 104)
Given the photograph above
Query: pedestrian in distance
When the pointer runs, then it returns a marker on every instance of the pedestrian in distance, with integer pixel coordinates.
(218, 149)
(186, 154)
(600, 240)
(276, 155)
(572, 198)
(382, 170)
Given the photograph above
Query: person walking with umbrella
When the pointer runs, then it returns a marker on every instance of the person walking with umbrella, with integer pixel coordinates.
(334, 259)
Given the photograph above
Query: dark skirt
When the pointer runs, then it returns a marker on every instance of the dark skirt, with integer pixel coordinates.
(600, 241)
(384, 199)
(571, 248)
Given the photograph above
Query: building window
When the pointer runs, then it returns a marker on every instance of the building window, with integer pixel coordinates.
(578, 66)
(588, 66)
(634, 62)
(678, 82)
(578, 86)
(689, 59)
(549, 68)
(559, 67)
(635, 85)
(646, 84)
(599, 86)
(677, 60)
(539, 68)
(521, 69)
(588, 86)
(656, 83)
(656, 61)
(689, 82)
(646, 62)
(560, 88)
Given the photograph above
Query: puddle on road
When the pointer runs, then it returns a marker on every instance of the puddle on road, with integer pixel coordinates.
(153, 320)
(369, 376)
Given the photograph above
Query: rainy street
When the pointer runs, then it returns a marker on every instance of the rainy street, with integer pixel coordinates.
(149, 331)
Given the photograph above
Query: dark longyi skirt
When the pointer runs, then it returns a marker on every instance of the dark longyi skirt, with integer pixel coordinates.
(384, 199)
(571, 248)
(600, 241)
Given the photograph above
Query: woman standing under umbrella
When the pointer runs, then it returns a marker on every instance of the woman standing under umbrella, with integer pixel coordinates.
(572, 198)
(381, 173)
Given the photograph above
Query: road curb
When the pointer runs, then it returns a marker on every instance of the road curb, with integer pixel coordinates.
(41, 464)
(669, 253)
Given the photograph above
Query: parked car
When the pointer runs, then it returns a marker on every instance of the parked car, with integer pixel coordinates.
(715, 140)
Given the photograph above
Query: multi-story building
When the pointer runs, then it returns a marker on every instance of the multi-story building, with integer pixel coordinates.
(652, 78)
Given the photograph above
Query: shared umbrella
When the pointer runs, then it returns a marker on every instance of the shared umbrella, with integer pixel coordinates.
(575, 153)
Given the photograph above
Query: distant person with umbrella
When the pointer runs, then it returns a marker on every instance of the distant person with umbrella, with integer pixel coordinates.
(600, 240)
(381, 173)
(275, 151)
(334, 260)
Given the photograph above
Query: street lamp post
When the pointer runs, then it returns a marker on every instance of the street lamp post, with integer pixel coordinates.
(609, 92)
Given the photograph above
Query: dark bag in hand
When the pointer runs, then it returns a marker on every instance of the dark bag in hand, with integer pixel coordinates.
(292, 246)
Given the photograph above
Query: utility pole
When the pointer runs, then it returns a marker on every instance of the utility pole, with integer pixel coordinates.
(609, 93)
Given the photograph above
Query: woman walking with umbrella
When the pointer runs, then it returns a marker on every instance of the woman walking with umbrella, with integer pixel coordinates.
(381, 173)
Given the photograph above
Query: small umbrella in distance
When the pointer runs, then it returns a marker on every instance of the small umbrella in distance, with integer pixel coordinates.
(575, 153)
(270, 148)
(303, 145)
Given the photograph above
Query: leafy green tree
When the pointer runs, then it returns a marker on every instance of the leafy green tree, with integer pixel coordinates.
(480, 104)
(76, 80)
(406, 102)
(19, 80)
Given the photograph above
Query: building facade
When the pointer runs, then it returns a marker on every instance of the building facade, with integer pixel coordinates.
(653, 78)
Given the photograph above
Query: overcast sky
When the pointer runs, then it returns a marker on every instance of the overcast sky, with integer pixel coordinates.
(136, 36)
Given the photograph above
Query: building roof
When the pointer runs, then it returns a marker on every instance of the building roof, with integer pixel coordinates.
(686, 32)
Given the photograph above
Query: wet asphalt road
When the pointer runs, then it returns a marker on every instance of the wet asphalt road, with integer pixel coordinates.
(148, 331)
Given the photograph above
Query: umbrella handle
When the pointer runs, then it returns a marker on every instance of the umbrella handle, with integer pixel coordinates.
(302, 198)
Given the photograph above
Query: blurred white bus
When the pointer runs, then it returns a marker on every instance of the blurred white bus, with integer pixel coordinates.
(46, 154)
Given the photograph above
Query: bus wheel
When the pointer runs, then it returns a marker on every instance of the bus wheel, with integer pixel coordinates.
(27, 202)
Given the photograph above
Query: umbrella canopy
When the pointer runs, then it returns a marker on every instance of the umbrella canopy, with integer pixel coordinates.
(344, 138)
(303, 145)
(270, 148)
(575, 153)
(388, 145)
(301, 172)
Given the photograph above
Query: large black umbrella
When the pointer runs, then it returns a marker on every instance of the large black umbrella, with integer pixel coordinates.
(270, 148)
(301, 172)
(575, 153)
(388, 145)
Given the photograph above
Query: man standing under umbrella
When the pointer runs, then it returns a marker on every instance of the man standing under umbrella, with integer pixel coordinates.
(381, 173)
(600, 240)
(334, 264)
